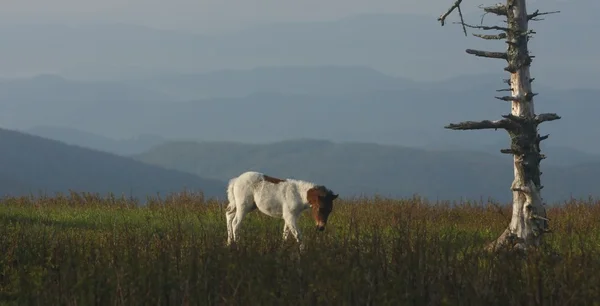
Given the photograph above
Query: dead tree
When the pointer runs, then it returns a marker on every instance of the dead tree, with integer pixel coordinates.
(529, 221)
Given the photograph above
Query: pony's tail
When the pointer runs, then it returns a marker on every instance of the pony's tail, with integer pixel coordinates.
(230, 196)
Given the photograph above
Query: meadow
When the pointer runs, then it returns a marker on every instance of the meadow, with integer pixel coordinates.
(82, 249)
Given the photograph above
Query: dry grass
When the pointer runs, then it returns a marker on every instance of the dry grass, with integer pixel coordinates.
(84, 250)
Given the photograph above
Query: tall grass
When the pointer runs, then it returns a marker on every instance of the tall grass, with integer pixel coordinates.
(86, 250)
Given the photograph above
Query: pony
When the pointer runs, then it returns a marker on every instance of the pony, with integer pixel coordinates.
(279, 198)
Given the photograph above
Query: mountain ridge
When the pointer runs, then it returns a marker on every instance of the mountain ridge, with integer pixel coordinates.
(30, 163)
(355, 169)
(97, 142)
(412, 116)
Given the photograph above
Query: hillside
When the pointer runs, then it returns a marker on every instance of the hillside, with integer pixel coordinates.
(328, 102)
(334, 103)
(76, 137)
(555, 155)
(362, 168)
(403, 117)
(31, 164)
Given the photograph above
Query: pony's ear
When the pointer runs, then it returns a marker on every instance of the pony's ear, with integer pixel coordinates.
(335, 196)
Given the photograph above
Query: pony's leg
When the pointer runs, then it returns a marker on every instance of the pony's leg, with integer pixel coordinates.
(230, 216)
(240, 213)
(290, 220)
(286, 231)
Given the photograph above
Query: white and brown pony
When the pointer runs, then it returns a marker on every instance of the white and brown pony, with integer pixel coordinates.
(279, 198)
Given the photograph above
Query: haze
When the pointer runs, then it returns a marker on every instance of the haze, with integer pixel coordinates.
(207, 15)
(135, 78)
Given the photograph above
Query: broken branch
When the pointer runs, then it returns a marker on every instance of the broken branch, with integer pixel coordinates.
(479, 125)
(442, 18)
(486, 28)
(526, 97)
(499, 10)
(456, 5)
(546, 117)
(491, 37)
(537, 13)
(508, 98)
(488, 54)
(462, 20)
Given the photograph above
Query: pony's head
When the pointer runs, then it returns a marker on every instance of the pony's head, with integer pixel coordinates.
(321, 201)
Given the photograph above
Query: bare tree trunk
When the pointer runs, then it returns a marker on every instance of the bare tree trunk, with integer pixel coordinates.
(529, 220)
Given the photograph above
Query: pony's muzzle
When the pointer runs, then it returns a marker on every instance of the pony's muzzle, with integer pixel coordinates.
(320, 226)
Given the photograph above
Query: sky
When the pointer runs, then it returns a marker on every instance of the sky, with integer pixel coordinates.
(209, 15)
(20, 58)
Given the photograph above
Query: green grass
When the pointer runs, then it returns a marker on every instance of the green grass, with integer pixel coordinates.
(85, 250)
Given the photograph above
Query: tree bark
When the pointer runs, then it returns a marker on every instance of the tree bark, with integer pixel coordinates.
(529, 220)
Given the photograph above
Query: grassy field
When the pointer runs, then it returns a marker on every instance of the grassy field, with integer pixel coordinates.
(86, 250)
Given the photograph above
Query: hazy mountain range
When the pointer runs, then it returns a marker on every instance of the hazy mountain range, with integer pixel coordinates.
(362, 105)
(281, 104)
(34, 165)
(273, 97)
(556, 155)
(124, 147)
(356, 169)
(31, 165)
